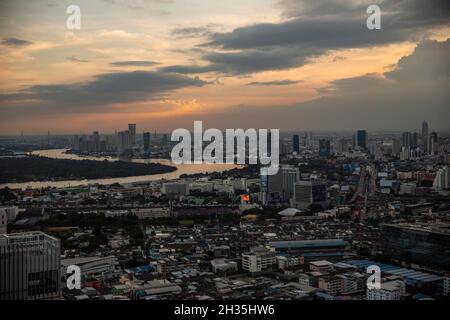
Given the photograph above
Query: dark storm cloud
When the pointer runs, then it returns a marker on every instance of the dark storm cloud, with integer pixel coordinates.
(104, 90)
(274, 83)
(315, 28)
(431, 60)
(418, 12)
(133, 63)
(397, 100)
(306, 34)
(15, 42)
(248, 61)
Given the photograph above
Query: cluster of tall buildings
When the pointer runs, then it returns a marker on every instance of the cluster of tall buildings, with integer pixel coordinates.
(126, 140)
(287, 187)
(413, 145)
(123, 142)
(409, 145)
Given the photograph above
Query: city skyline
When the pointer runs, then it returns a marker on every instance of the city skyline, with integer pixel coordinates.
(144, 130)
(164, 64)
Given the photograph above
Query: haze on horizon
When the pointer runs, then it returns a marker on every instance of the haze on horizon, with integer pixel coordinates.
(290, 64)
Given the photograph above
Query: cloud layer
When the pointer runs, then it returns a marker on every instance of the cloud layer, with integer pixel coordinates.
(90, 96)
(315, 28)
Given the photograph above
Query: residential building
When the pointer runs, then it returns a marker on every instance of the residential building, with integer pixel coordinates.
(258, 259)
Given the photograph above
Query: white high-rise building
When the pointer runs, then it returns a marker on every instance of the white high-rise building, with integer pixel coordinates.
(441, 180)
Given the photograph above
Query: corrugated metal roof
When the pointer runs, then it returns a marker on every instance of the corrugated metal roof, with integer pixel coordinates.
(410, 276)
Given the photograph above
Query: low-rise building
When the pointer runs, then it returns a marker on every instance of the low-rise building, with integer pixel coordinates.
(223, 265)
(392, 290)
(258, 259)
(151, 213)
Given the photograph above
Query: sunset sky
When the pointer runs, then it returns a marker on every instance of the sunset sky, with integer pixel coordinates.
(287, 64)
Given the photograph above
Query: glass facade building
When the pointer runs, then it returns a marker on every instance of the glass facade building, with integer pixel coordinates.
(423, 244)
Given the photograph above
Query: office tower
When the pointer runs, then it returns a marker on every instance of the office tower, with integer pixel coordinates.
(407, 140)
(132, 130)
(286, 148)
(76, 143)
(361, 139)
(29, 266)
(309, 140)
(123, 141)
(425, 136)
(280, 187)
(307, 193)
(424, 244)
(269, 143)
(95, 141)
(433, 146)
(396, 147)
(146, 142)
(164, 140)
(415, 140)
(296, 144)
(324, 148)
(341, 146)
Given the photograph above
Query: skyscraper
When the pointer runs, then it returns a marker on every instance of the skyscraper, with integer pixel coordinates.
(396, 147)
(281, 185)
(146, 141)
(95, 141)
(29, 266)
(309, 192)
(407, 139)
(361, 139)
(324, 148)
(296, 144)
(415, 140)
(341, 145)
(123, 141)
(132, 130)
(433, 146)
(425, 133)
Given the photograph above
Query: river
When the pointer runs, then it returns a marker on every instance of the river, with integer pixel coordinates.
(60, 154)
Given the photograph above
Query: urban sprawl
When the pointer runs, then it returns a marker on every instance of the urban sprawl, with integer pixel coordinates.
(340, 202)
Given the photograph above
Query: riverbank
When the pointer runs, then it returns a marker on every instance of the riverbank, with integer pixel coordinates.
(24, 169)
(182, 169)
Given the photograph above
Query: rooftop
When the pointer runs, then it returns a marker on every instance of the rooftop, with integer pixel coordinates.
(309, 243)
